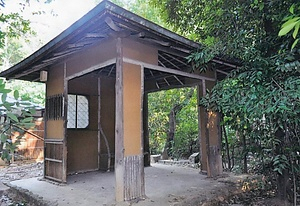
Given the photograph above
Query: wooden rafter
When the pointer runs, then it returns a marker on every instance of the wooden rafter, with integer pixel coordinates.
(176, 59)
(178, 79)
(169, 61)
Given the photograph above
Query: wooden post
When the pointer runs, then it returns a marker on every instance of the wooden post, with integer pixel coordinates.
(201, 130)
(146, 131)
(65, 105)
(119, 130)
(210, 137)
(129, 158)
(99, 122)
(206, 131)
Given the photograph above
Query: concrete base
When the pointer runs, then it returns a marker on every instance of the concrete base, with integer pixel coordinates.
(165, 185)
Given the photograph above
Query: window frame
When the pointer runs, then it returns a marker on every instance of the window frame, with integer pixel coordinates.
(76, 112)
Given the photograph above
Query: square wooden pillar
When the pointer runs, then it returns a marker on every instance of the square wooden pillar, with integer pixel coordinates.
(129, 159)
(209, 136)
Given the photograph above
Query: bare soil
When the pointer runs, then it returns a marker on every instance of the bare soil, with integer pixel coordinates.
(231, 194)
(16, 171)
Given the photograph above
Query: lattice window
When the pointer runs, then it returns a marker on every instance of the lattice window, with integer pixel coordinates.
(78, 111)
(54, 107)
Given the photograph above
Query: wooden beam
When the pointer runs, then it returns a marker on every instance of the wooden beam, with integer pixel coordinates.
(112, 24)
(119, 128)
(59, 57)
(33, 69)
(167, 70)
(66, 52)
(220, 71)
(95, 35)
(181, 49)
(225, 63)
(163, 43)
(174, 51)
(92, 68)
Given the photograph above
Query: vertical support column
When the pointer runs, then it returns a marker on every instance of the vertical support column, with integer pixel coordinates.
(65, 151)
(119, 130)
(210, 140)
(146, 132)
(129, 158)
(202, 126)
(99, 121)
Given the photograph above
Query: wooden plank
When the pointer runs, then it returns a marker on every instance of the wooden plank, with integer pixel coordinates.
(53, 141)
(52, 178)
(167, 70)
(119, 130)
(133, 177)
(53, 160)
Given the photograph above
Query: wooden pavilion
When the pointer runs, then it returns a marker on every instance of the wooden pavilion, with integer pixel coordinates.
(98, 73)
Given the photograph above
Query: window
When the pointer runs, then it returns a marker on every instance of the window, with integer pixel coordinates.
(78, 111)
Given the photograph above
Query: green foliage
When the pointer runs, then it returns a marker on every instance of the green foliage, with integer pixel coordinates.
(160, 105)
(16, 117)
(260, 100)
(145, 9)
(13, 26)
(292, 23)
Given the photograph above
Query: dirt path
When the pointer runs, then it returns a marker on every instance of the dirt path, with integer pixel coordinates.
(166, 185)
(17, 171)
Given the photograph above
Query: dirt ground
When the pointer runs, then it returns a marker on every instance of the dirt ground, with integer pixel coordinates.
(16, 171)
(172, 188)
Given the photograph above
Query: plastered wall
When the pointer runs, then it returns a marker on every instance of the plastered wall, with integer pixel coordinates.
(55, 86)
(88, 85)
(83, 143)
(140, 52)
(107, 120)
(132, 109)
(133, 94)
(91, 56)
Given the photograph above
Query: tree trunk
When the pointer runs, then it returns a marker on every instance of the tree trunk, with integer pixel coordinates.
(172, 123)
(227, 147)
(282, 179)
(282, 185)
(245, 154)
(171, 133)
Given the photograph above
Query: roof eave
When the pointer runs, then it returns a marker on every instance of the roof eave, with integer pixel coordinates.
(103, 7)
